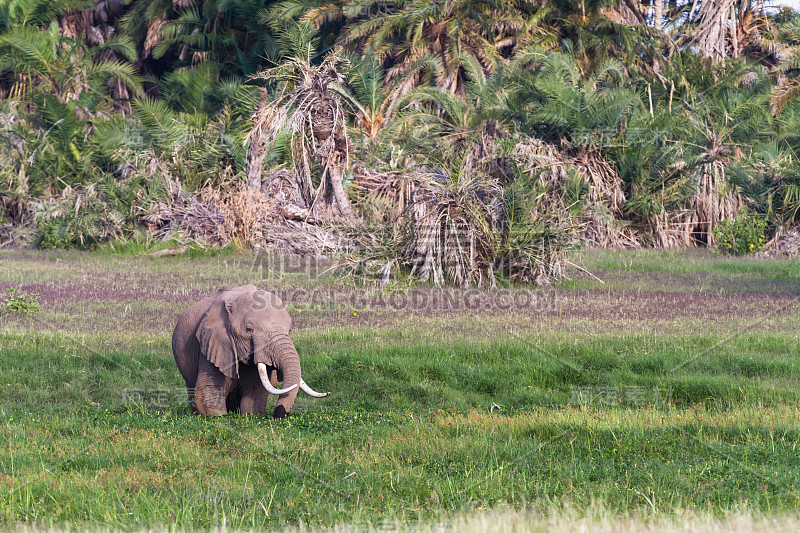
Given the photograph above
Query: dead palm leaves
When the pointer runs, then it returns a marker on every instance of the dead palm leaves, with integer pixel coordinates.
(596, 206)
(455, 223)
(461, 228)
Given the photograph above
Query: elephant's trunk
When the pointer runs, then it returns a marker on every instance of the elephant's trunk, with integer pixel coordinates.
(288, 363)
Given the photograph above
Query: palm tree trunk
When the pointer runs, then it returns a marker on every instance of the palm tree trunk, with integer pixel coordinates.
(258, 146)
(336, 203)
(630, 12)
(658, 14)
(335, 177)
(710, 33)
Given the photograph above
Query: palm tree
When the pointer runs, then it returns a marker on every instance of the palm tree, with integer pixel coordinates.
(187, 33)
(575, 119)
(420, 38)
(371, 96)
(555, 100)
(720, 29)
(37, 54)
(456, 223)
(726, 119)
(471, 122)
(770, 182)
(787, 67)
(595, 33)
(312, 106)
(45, 61)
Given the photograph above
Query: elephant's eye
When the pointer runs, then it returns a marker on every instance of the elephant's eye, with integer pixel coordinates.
(249, 328)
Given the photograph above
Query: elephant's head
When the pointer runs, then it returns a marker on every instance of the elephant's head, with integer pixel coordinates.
(248, 326)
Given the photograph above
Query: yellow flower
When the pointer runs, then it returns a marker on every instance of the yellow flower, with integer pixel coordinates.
(354, 313)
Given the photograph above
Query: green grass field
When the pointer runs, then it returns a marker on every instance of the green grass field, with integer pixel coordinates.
(671, 388)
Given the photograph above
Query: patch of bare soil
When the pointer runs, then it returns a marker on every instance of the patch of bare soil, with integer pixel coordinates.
(101, 300)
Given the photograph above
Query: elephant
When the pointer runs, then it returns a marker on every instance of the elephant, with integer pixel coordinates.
(232, 348)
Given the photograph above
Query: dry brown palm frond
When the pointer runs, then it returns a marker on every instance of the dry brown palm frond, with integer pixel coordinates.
(673, 229)
(785, 243)
(712, 29)
(714, 200)
(258, 143)
(446, 229)
(155, 33)
(215, 216)
(121, 94)
(387, 193)
(187, 217)
(629, 12)
(600, 218)
(294, 237)
(230, 212)
(784, 93)
(73, 24)
(282, 188)
(177, 212)
(453, 237)
(7, 236)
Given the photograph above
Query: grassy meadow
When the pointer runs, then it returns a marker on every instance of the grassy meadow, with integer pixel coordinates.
(670, 387)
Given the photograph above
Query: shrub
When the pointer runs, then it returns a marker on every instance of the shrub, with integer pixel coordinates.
(741, 236)
(26, 304)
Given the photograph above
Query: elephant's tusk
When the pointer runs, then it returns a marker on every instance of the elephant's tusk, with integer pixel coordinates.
(311, 392)
(262, 371)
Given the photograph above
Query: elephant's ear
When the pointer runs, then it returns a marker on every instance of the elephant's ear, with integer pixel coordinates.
(215, 338)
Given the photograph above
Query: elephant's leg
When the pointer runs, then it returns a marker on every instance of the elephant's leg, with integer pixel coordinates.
(192, 401)
(254, 396)
(211, 390)
(234, 399)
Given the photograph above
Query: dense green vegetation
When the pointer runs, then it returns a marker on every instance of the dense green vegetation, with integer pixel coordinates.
(522, 126)
(634, 398)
